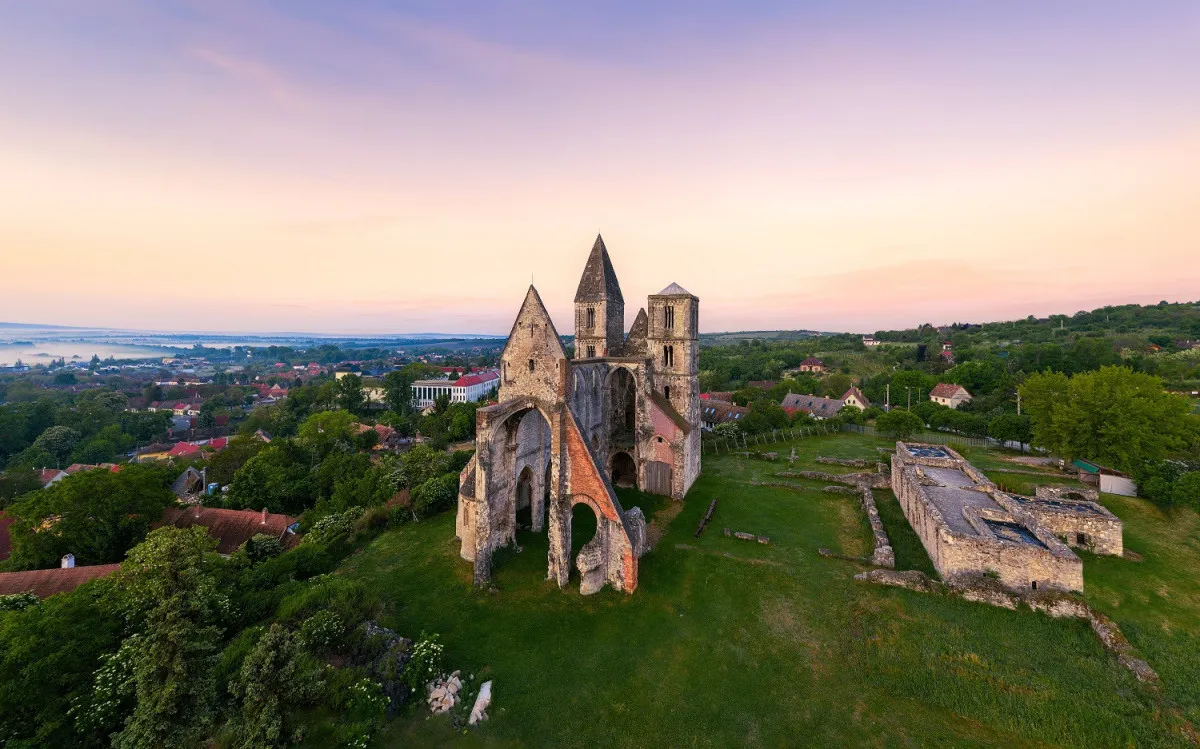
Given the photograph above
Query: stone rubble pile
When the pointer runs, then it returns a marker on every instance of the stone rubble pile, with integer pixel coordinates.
(443, 693)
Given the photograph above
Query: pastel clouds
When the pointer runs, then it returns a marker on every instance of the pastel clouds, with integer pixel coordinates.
(306, 166)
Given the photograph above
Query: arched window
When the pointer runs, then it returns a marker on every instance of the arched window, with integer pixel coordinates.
(591, 350)
(667, 392)
(531, 365)
(591, 318)
(669, 356)
(669, 317)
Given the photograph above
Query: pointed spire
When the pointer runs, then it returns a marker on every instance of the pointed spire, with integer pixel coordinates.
(635, 341)
(599, 280)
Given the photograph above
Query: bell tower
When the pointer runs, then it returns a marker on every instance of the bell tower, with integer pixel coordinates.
(599, 307)
(673, 344)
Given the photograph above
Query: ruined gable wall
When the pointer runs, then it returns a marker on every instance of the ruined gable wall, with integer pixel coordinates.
(587, 483)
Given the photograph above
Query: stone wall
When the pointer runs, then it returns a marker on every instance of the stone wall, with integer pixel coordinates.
(955, 552)
(1080, 523)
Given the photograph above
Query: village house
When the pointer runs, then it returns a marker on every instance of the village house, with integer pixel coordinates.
(949, 394)
(854, 397)
(813, 405)
(50, 476)
(870, 341)
(45, 583)
(716, 395)
(232, 528)
(811, 364)
(713, 412)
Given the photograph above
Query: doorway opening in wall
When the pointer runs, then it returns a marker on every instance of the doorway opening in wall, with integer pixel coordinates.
(624, 471)
(1081, 539)
(584, 525)
(524, 499)
(1035, 584)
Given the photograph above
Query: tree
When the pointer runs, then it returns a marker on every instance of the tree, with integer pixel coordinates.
(1113, 415)
(899, 423)
(350, 394)
(397, 388)
(435, 495)
(224, 464)
(172, 597)
(58, 441)
(48, 654)
(277, 478)
(276, 676)
(95, 515)
(1010, 427)
(836, 385)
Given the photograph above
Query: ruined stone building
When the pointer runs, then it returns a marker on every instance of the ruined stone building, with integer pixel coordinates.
(969, 527)
(624, 410)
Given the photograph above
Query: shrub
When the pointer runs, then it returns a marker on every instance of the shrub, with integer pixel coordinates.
(322, 631)
(426, 663)
(435, 495)
(350, 601)
(18, 601)
(331, 527)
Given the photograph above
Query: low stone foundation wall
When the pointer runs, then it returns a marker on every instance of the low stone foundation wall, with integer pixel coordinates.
(861, 480)
(884, 556)
(855, 462)
(1058, 605)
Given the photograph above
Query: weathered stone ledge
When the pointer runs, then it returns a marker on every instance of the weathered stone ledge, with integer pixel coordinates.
(883, 556)
(855, 462)
(860, 480)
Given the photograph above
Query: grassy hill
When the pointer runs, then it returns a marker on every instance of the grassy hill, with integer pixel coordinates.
(734, 643)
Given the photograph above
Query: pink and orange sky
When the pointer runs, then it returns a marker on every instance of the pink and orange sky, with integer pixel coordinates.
(397, 167)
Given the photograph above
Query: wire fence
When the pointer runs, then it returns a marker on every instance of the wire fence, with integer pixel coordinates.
(717, 445)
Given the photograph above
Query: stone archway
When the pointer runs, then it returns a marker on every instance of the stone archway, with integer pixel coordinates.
(587, 547)
(624, 470)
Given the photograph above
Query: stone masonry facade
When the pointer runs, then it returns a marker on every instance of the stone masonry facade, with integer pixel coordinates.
(624, 411)
(969, 529)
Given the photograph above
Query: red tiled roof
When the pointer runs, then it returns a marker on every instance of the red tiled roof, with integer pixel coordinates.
(46, 475)
(475, 379)
(43, 583)
(810, 361)
(218, 443)
(947, 390)
(231, 528)
(5, 540)
(183, 449)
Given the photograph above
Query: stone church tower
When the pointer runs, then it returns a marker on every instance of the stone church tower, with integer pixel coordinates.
(624, 411)
(599, 308)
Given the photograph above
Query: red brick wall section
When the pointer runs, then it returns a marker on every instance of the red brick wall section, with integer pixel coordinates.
(585, 478)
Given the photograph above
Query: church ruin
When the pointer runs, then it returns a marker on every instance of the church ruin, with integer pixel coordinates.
(623, 411)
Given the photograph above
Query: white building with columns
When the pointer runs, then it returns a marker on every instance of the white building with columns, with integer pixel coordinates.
(465, 389)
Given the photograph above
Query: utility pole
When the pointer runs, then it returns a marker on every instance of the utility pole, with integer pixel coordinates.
(1018, 403)
(887, 398)
(908, 389)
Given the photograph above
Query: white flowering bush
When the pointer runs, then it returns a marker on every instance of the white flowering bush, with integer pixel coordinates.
(330, 527)
(17, 601)
(426, 663)
(321, 630)
(101, 711)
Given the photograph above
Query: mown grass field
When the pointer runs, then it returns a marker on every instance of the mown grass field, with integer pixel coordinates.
(730, 643)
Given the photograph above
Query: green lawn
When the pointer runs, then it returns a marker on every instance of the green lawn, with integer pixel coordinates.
(728, 642)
